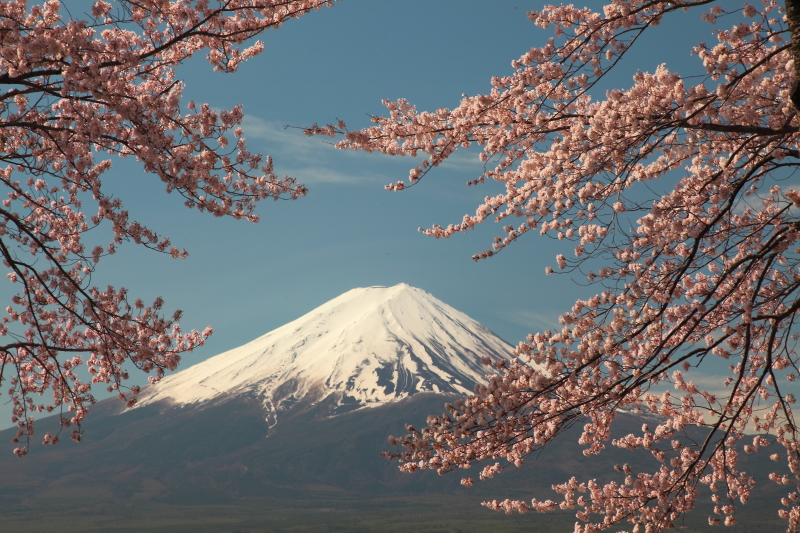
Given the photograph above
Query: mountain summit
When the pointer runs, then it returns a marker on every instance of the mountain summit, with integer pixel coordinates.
(365, 348)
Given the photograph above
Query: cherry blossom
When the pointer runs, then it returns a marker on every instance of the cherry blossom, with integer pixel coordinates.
(677, 194)
(76, 91)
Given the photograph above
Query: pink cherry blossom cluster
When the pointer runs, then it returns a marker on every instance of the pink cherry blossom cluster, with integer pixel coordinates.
(671, 194)
(78, 89)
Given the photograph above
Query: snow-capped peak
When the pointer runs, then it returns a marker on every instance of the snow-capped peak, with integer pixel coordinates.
(364, 348)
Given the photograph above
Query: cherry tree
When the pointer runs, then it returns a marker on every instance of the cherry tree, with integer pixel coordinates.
(76, 90)
(678, 197)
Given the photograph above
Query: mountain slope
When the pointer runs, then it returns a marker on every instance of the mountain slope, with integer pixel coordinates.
(365, 348)
(211, 469)
(214, 462)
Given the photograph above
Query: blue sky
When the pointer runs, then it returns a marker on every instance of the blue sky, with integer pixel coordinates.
(247, 279)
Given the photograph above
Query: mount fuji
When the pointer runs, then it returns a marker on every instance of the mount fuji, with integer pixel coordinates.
(285, 433)
(368, 347)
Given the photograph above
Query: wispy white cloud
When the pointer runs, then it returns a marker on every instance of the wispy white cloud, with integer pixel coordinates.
(288, 138)
(316, 160)
(464, 161)
(535, 321)
(325, 174)
(310, 160)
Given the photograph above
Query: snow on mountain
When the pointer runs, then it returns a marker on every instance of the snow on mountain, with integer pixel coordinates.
(364, 348)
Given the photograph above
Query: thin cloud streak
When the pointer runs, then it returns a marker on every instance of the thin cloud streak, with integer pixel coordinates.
(290, 148)
(324, 174)
(536, 321)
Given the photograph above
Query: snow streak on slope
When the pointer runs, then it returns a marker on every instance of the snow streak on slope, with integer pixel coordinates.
(367, 347)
